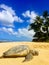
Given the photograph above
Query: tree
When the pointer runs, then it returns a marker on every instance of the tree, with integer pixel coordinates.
(41, 28)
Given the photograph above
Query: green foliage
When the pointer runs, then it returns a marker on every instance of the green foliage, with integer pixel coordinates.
(36, 26)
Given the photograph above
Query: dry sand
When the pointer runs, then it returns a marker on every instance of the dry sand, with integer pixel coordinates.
(41, 59)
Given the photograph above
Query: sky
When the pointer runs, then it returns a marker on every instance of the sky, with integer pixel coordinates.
(17, 15)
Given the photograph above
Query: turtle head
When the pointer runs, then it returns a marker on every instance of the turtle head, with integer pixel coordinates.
(34, 52)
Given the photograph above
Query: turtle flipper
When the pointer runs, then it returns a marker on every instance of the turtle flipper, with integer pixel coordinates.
(28, 57)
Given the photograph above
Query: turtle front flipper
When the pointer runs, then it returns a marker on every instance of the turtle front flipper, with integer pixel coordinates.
(28, 57)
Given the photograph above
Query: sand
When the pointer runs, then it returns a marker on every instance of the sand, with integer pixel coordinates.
(41, 59)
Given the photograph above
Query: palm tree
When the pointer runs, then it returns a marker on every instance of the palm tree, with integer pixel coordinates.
(36, 26)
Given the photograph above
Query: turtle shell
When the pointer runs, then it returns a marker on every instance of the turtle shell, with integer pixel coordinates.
(17, 51)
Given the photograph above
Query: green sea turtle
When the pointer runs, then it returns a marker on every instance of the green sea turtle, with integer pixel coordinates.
(20, 51)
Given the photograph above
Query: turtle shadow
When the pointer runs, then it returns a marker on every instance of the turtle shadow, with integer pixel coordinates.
(11, 57)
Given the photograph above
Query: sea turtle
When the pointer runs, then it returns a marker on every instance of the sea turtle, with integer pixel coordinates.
(20, 51)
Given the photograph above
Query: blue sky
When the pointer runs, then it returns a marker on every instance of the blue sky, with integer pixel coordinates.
(16, 16)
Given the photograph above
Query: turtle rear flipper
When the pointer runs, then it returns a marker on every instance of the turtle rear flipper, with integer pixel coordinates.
(28, 57)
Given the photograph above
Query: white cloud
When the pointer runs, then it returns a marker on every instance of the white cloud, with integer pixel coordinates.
(9, 9)
(8, 16)
(8, 30)
(24, 32)
(21, 32)
(26, 14)
(30, 14)
(18, 19)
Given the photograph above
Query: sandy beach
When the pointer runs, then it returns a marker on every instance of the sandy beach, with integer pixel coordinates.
(41, 59)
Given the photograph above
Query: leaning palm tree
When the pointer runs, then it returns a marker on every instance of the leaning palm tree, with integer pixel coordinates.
(41, 23)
